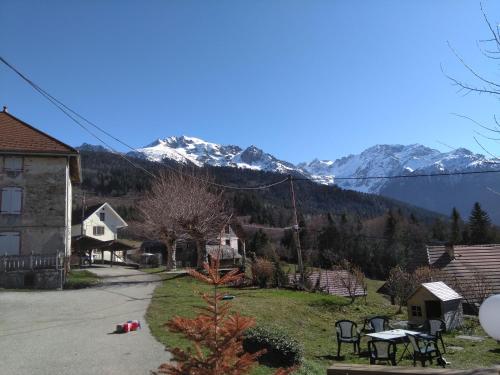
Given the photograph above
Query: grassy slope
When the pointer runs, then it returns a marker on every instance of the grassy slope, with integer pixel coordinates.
(78, 279)
(309, 317)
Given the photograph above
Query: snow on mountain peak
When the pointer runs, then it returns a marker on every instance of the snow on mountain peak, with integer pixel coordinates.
(378, 160)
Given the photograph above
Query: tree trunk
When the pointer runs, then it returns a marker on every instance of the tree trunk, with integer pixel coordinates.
(201, 251)
(170, 261)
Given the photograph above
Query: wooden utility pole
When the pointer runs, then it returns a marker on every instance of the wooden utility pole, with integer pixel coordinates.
(296, 229)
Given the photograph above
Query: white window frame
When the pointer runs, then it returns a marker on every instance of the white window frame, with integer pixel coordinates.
(14, 208)
(96, 230)
(17, 236)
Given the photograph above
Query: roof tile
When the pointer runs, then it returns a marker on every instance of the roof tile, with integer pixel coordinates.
(18, 136)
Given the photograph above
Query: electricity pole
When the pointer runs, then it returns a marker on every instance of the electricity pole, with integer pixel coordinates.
(296, 229)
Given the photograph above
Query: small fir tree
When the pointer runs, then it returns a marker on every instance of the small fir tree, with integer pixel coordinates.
(217, 334)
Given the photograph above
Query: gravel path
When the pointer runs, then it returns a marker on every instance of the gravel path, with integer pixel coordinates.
(70, 332)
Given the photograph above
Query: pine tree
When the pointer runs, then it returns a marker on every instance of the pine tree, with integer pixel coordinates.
(390, 227)
(455, 232)
(479, 225)
(216, 333)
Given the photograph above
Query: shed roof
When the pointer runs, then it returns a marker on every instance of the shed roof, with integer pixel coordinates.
(441, 291)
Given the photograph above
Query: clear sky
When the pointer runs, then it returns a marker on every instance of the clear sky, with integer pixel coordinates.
(300, 79)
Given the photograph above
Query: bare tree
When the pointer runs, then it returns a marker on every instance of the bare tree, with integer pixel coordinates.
(481, 83)
(474, 288)
(184, 205)
(352, 278)
(400, 285)
(490, 48)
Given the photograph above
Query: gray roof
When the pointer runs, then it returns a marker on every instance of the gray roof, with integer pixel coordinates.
(441, 291)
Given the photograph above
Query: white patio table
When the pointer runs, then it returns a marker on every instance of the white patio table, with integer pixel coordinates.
(396, 335)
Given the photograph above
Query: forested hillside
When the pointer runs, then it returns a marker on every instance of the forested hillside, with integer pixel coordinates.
(374, 232)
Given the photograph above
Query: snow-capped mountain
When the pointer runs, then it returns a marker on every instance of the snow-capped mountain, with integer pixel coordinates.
(193, 150)
(390, 160)
(379, 160)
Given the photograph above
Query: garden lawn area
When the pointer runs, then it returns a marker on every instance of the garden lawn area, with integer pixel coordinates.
(78, 279)
(307, 317)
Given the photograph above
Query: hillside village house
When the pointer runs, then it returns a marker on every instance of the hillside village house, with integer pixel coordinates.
(466, 263)
(37, 172)
(228, 246)
(100, 223)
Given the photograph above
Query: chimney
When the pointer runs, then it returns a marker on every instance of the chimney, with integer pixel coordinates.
(450, 250)
(5, 109)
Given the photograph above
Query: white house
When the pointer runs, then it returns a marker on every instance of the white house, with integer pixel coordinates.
(226, 246)
(100, 222)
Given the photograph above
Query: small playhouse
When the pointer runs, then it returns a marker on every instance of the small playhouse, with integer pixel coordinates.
(435, 300)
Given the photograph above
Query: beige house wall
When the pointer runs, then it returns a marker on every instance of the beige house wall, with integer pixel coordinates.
(44, 220)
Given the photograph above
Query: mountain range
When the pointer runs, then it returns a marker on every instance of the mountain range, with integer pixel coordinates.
(438, 194)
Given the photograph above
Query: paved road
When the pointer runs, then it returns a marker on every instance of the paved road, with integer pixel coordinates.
(69, 332)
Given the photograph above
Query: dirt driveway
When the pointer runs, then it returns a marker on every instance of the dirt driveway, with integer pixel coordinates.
(69, 332)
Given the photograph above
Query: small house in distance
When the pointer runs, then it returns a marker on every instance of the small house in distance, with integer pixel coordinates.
(100, 227)
(435, 300)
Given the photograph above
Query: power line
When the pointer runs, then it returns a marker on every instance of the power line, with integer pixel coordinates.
(63, 109)
(403, 176)
(72, 114)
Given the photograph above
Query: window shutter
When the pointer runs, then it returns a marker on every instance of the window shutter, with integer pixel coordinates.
(9, 243)
(13, 164)
(11, 200)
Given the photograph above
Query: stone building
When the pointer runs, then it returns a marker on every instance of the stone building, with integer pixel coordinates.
(37, 172)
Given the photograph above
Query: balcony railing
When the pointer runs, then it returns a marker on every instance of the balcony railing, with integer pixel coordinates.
(13, 263)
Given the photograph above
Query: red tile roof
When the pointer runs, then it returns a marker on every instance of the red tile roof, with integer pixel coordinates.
(18, 136)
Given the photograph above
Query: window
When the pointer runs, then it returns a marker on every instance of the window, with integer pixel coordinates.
(11, 200)
(98, 230)
(228, 242)
(13, 164)
(416, 311)
(102, 216)
(9, 243)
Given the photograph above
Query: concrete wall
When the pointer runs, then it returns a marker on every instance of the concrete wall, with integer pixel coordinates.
(46, 204)
(41, 279)
(453, 314)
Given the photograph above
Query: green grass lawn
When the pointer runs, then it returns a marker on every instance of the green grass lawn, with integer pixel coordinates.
(78, 279)
(308, 317)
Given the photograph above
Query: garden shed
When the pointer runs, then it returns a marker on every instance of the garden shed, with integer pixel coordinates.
(435, 300)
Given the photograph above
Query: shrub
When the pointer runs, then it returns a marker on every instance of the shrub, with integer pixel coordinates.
(262, 272)
(282, 350)
(280, 278)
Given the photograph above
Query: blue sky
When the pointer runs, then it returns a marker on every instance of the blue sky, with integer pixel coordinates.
(300, 79)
